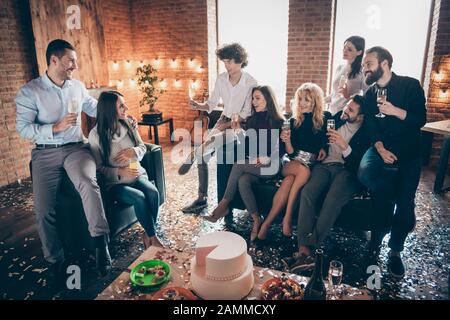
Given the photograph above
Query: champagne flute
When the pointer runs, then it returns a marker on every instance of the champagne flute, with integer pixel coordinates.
(381, 99)
(342, 82)
(73, 106)
(286, 127)
(331, 125)
(191, 92)
(335, 273)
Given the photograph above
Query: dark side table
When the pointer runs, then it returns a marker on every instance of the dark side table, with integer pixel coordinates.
(441, 128)
(155, 125)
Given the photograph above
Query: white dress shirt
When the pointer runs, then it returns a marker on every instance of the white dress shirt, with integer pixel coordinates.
(41, 104)
(236, 99)
(356, 85)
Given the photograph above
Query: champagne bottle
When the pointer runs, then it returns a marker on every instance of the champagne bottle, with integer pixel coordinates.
(315, 289)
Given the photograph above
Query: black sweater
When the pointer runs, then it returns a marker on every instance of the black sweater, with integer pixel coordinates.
(260, 122)
(401, 137)
(305, 138)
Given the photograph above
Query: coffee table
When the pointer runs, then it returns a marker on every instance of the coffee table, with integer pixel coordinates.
(121, 288)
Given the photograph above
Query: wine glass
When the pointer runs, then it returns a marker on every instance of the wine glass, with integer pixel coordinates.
(335, 273)
(381, 99)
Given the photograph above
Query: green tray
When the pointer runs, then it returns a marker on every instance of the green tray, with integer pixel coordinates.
(147, 279)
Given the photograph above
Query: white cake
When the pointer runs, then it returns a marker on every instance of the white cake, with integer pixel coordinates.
(221, 268)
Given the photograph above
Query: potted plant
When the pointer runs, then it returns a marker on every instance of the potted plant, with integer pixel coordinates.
(147, 81)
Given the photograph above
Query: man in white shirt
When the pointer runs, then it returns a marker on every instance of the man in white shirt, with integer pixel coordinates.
(234, 87)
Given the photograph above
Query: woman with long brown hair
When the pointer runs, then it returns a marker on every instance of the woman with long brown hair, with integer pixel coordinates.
(265, 122)
(118, 148)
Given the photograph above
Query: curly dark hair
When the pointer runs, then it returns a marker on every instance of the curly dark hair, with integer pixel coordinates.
(233, 51)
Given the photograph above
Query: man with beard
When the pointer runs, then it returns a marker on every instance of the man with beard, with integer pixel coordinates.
(335, 177)
(43, 115)
(395, 147)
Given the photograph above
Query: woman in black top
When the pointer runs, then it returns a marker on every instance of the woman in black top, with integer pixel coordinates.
(262, 156)
(305, 143)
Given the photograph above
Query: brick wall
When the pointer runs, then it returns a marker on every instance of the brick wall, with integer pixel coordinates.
(310, 43)
(17, 66)
(181, 30)
(438, 66)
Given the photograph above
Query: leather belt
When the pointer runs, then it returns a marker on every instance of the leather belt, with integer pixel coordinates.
(53, 146)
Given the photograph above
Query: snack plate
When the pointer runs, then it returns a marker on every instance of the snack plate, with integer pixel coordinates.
(149, 280)
(277, 283)
(180, 294)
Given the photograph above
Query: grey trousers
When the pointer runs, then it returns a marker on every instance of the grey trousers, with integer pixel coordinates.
(242, 176)
(339, 185)
(48, 165)
(202, 166)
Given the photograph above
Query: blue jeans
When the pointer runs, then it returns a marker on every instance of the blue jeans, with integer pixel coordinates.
(401, 189)
(144, 196)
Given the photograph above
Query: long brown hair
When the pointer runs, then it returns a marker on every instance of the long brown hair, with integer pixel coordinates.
(315, 93)
(274, 114)
(108, 122)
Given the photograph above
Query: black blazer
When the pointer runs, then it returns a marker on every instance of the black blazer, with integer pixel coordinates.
(359, 143)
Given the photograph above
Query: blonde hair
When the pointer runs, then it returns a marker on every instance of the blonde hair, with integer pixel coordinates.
(315, 93)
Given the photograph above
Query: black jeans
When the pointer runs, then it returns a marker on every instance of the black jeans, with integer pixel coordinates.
(401, 190)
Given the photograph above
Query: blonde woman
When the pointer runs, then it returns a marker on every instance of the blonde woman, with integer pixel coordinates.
(305, 143)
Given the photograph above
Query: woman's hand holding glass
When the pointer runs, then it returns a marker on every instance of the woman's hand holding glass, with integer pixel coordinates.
(125, 155)
(128, 173)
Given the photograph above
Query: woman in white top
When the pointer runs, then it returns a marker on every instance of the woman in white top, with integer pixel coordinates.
(118, 148)
(348, 79)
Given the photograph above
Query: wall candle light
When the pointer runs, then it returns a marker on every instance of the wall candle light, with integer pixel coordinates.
(191, 63)
(128, 64)
(163, 84)
(157, 62)
(195, 85)
(141, 64)
(200, 69)
(438, 76)
(177, 83)
(173, 63)
(115, 66)
(132, 83)
(120, 84)
(443, 94)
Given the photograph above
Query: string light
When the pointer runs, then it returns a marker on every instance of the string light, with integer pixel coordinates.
(132, 83)
(191, 63)
(177, 83)
(163, 84)
(438, 76)
(120, 84)
(141, 64)
(128, 64)
(157, 62)
(173, 63)
(443, 94)
(115, 66)
(194, 84)
(200, 69)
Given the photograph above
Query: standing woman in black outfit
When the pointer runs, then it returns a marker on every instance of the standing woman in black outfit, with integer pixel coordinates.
(305, 143)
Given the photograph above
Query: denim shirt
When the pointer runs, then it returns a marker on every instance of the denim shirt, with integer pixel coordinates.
(41, 104)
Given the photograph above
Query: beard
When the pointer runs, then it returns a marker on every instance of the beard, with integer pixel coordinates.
(345, 117)
(374, 76)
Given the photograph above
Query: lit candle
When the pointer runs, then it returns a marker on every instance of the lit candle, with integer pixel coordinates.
(191, 63)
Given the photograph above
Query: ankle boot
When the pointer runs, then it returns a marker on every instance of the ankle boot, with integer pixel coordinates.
(102, 257)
